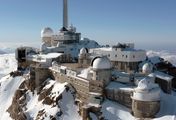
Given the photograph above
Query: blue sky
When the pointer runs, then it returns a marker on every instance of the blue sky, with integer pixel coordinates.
(150, 24)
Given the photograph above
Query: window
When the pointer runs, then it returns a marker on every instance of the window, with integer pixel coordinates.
(126, 56)
(115, 55)
(133, 56)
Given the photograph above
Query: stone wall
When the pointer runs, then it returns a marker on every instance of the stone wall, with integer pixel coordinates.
(121, 96)
(125, 66)
(81, 86)
(96, 86)
(145, 109)
(166, 86)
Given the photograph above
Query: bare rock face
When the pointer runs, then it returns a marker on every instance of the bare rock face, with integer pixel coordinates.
(15, 110)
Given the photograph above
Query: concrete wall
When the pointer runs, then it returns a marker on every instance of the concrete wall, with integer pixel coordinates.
(102, 75)
(41, 74)
(118, 54)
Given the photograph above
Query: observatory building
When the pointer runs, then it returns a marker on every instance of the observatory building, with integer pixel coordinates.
(120, 73)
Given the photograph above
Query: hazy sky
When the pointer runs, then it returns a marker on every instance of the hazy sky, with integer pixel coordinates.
(150, 24)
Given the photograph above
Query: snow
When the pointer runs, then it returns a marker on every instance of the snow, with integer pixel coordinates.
(68, 107)
(43, 57)
(117, 85)
(51, 55)
(168, 107)
(147, 90)
(34, 106)
(8, 86)
(66, 104)
(111, 110)
(153, 95)
(7, 64)
(85, 73)
(166, 55)
(146, 84)
(163, 76)
(114, 111)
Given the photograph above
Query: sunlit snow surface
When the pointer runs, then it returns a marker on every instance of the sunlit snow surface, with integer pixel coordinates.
(7, 64)
(111, 110)
(7, 90)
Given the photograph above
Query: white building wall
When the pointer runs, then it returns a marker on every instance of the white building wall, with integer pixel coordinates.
(117, 54)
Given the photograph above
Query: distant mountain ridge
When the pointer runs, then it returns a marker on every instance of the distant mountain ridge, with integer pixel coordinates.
(2, 52)
(7, 50)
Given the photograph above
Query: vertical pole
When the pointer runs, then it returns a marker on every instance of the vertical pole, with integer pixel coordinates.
(65, 13)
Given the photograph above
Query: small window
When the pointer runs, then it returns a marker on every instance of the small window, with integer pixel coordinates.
(126, 56)
(133, 56)
(108, 55)
(115, 55)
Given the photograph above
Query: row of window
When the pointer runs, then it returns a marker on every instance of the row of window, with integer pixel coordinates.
(122, 56)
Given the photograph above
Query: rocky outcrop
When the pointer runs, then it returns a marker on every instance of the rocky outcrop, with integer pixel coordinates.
(47, 96)
(19, 102)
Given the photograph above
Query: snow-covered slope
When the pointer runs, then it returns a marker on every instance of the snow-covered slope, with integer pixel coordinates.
(65, 109)
(8, 86)
(7, 64)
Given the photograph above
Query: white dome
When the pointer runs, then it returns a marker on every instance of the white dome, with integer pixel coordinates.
(83, 51)
(47, 32)
(147, 68)
(101, 63)
(147, 83)
(147, 90)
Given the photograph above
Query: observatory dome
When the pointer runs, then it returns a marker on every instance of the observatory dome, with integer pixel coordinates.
(147, 90)
(101, 63)
(47, 32)
(147, 68)
(83, 51)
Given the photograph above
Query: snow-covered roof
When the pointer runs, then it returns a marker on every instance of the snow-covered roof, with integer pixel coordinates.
(85, 73)
(101, 63)
(117, 85)
(51, 55)
(121, 74)
(163, 76)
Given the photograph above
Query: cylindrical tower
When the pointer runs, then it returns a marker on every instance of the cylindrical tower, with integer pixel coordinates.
(146, 99)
